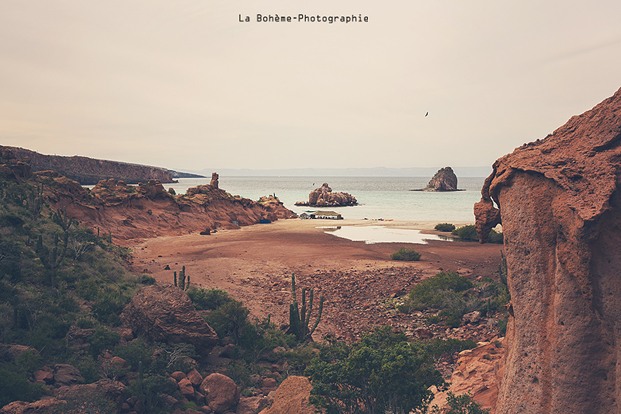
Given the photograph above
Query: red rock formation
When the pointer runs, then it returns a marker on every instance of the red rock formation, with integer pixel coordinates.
(89, 171)
(324, 197)
(146, 210)
(166, 314)
(560, 210)
(214, 180)
(220, 392)
(292, 397)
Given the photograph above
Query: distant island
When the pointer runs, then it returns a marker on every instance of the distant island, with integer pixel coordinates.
(444, 180)
(89, 171)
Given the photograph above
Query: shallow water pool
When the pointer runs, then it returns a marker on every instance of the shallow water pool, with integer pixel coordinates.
(381, 234)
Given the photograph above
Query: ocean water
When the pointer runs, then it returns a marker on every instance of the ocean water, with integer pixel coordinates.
(378, 197)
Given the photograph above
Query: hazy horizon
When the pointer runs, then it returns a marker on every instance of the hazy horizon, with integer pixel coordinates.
(186, 85)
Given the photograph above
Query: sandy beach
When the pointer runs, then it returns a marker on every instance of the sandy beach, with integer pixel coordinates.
(359, 280)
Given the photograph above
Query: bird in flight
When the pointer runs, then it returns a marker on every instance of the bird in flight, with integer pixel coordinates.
(427, 114)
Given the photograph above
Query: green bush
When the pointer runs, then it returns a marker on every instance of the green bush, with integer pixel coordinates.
(432, 292)
(445, 227)
(381, 373)
(137, 353)
(405, 253)
(208, 299)
(102, 339)
(469, 233)
(230, 319)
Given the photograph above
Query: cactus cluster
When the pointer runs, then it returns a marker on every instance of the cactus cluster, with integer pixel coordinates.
(299, 319)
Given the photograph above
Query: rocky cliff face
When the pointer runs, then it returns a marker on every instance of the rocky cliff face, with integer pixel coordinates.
(89, 171)
(560, 208)
(444, 180)
(324, 197)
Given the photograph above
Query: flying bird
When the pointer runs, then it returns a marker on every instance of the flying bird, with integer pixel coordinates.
(427, 114)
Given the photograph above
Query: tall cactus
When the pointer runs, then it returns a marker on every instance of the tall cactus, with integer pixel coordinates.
(182, 283)
(299, 319)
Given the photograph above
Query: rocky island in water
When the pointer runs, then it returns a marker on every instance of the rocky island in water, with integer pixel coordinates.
(444, 180)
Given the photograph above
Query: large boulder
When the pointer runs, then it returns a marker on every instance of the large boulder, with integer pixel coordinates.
(559, 203)
(292, 397)
(166, 314)
(220, 392)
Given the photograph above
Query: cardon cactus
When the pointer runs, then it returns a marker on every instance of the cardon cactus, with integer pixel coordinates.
(299, 319)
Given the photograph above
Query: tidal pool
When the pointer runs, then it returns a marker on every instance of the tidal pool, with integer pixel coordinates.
(381, 234)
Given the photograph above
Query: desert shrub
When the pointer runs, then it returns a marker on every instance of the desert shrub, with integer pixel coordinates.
(445, 227)
(208, 299)
(102, 339)
(462, 404)
(469, 233)
(14, 384)
(109, 302)
(229, 319)
(502, 325)
(151, 390)
(405, 253)
(438, 347)
(431, 292)
(10, 261)
(383, 372)
(137, 353)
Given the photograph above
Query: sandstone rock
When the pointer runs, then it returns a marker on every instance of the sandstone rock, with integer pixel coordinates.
(112, 390)
(220, 391)
(560, 206)
(251, 405)
(214, 180)
(178, 375)
(478, 372)
(324, 197)
(166, 314)
(21, 407)
(12, 351)
(292, 397)
(444, 180)
(472, 317)
(65, 374)
(185, 388)
(44, 375)
(195, 377)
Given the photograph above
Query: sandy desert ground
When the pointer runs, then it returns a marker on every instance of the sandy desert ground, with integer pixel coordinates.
(254, 264)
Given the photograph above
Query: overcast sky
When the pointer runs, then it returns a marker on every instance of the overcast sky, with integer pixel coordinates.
(186, 85)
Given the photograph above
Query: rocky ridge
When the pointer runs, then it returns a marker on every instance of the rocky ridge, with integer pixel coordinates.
(89, 171)
(324, 197)
(560, 208)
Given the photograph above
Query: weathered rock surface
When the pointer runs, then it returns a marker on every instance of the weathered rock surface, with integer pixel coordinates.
(292, 397)
(324, 197)
(560, 209)
(214, 180)
(21, 407)
(444, 180)
(478, 371)
(111, 390)
(166, 314)
(89, 171)
(220, 392)
(146, 210)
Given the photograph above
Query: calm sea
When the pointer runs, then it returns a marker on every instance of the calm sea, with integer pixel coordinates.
(378, 197)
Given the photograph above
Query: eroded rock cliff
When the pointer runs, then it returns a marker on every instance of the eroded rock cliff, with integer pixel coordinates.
(558, 203)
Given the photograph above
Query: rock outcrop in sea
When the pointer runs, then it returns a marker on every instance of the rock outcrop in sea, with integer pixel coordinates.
(324, 197)
(444, 180)
(559, 203)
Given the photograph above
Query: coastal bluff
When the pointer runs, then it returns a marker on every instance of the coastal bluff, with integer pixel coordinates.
(89, 171)
(324, 197)
(559, 204)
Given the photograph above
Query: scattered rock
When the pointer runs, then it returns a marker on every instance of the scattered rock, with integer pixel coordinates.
(65, 374)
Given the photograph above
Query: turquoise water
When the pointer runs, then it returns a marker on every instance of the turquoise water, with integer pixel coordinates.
(378, 197)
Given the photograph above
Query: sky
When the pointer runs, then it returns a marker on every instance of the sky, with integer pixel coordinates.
(186, 85)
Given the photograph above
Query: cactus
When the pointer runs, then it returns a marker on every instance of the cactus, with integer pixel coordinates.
(299, 319)
(182, 283)
(51, 259)
(35, 201)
